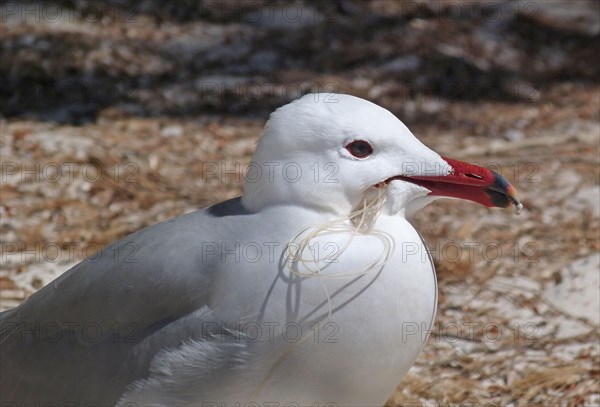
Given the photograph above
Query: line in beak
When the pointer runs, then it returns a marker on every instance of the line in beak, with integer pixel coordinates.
(470, 182)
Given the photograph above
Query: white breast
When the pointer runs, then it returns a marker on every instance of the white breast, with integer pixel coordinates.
(380, 320)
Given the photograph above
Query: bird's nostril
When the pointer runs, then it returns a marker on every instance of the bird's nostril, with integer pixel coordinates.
(474, 176)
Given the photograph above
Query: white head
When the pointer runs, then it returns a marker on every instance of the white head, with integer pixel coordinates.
(327, 150)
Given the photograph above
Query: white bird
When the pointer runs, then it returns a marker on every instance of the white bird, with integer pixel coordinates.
(312, 288)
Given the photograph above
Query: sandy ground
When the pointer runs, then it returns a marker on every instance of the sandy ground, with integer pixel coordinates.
(518, 320)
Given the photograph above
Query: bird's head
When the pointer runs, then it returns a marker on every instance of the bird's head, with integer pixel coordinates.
(328, 150)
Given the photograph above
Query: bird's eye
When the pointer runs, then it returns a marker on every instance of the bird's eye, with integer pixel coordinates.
(359, 148)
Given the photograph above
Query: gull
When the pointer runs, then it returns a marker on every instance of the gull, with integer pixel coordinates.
(312, 288)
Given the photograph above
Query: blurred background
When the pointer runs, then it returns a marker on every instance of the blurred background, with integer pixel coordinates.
(119, 114)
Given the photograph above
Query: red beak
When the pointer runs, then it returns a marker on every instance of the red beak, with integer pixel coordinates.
(470, 182)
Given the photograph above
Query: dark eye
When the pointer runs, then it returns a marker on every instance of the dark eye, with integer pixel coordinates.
(359, 148)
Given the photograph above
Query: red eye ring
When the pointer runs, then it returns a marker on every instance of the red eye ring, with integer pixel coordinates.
(360, 148)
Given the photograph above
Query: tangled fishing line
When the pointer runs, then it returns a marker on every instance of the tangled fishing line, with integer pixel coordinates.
(359, 222)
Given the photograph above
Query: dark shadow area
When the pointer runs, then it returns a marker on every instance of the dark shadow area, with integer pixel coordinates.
(69, 61)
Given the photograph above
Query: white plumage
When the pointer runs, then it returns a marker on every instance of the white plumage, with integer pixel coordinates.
(224, 310)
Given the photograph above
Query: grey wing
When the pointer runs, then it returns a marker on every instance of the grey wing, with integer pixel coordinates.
(201, 352)
(96, 329)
